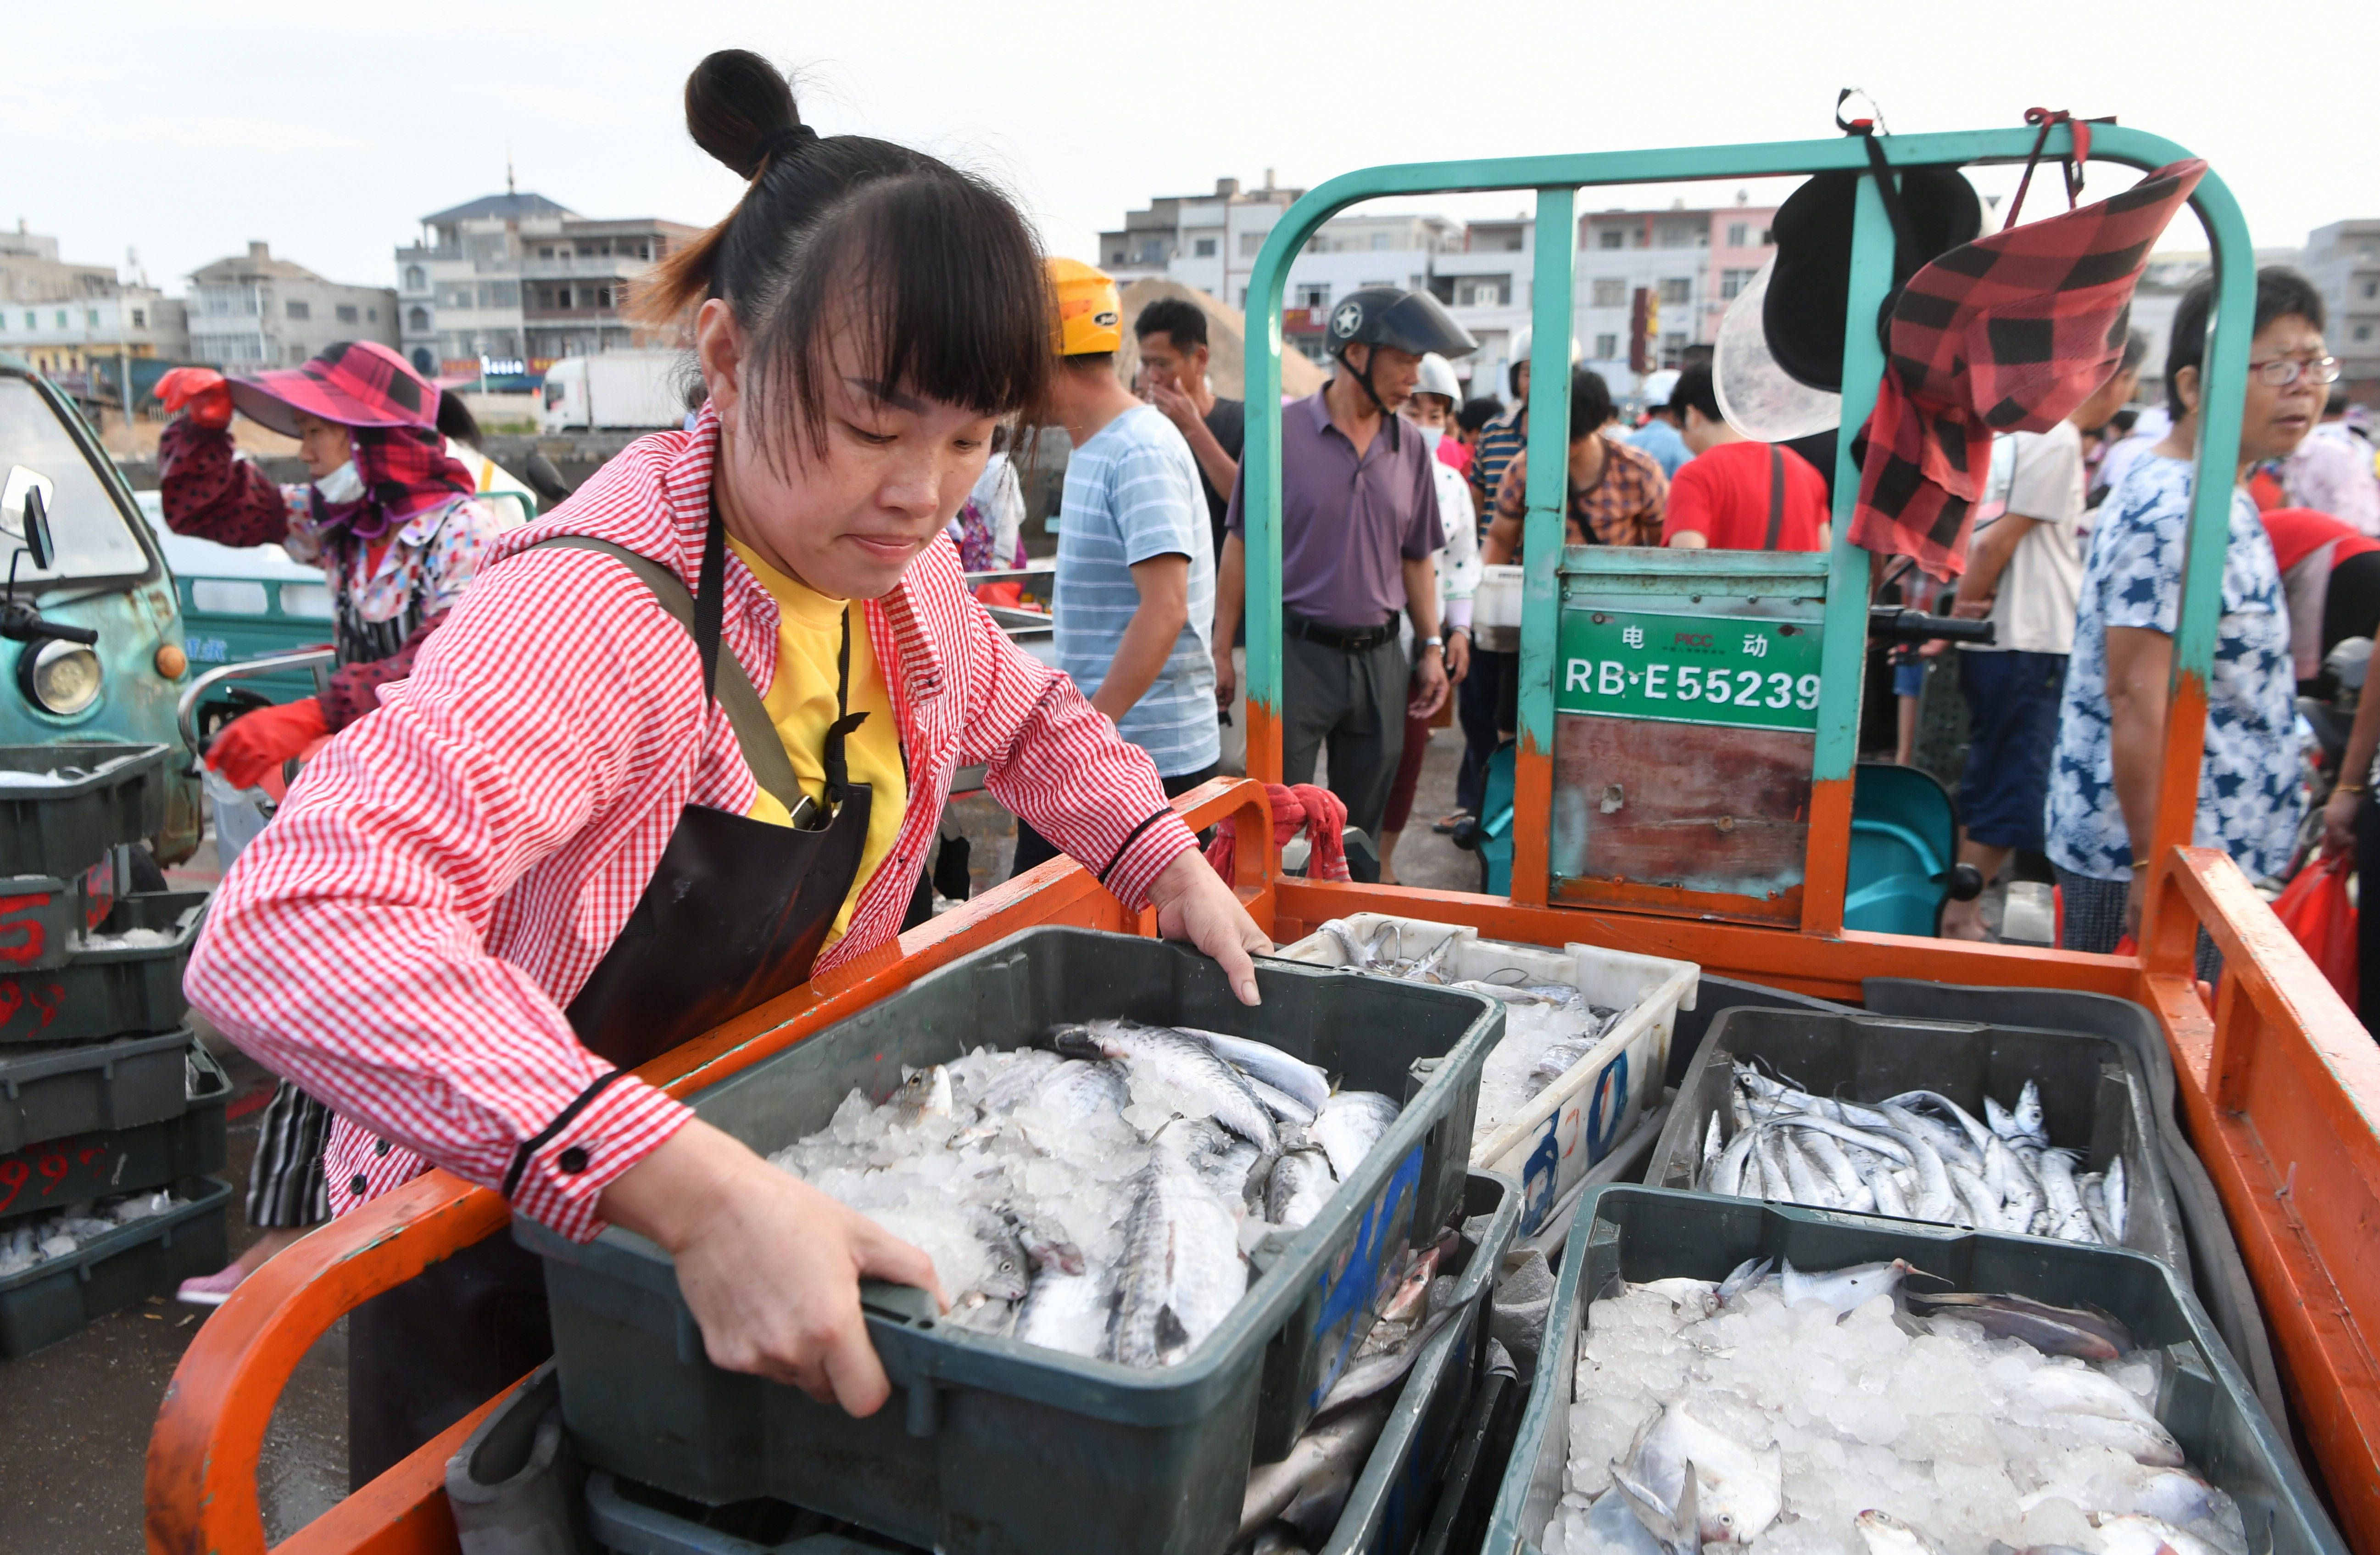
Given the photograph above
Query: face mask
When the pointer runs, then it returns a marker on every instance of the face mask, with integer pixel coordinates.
(341, 486)
(1430, 436)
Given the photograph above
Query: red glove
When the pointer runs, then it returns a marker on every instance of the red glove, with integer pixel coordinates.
(202, 389)
(255, 742)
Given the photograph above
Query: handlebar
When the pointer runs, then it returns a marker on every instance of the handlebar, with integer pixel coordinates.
(186, 710)
(1892, 624)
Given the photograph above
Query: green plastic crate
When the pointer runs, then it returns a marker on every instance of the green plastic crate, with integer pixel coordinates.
(2094, 1093)
(991, 1447)
(100, 992)
(51, 1301)
(74, 1087)
(63, 828)
(1641, 1233)
(56, 1172)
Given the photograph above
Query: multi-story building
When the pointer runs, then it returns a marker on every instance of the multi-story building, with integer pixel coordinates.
(505, 286)
(2343, 260)
(62, 316)
(1694, 262)
(253, 311)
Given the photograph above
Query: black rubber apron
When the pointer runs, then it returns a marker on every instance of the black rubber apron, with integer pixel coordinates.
(733, 916)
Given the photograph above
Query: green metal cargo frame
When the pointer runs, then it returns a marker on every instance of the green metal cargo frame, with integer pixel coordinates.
(1547, 562)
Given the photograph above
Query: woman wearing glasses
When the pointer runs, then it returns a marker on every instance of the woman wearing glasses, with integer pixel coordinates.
(2102, 786)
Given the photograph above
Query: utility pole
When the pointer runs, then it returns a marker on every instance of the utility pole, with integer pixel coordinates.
(123, 351)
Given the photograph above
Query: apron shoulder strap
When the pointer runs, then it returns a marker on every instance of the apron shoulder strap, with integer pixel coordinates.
(755, 733)
(1776, 497)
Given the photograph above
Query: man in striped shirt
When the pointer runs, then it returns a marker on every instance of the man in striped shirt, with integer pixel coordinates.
(1135, 589)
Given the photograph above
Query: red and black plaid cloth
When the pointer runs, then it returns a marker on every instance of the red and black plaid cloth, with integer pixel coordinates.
(2006, 333)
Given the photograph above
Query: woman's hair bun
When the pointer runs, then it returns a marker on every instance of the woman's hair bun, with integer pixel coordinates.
(734, 102)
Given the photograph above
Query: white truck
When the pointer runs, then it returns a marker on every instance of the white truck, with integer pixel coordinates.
(633, 390)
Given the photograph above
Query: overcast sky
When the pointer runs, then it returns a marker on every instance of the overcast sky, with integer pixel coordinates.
(183, 131)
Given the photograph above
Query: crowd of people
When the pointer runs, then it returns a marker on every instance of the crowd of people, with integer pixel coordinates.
(1397, 489)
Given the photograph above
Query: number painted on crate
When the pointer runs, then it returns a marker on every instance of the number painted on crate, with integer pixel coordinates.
(46, 998)
(1603, 1122)
(36, 938)
(13, 1174)
(1350, 1288)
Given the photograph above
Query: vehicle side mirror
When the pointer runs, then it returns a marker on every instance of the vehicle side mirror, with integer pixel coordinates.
(37, 531)
(25, 492)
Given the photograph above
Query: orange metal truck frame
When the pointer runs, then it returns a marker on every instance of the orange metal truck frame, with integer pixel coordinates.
(2278, 1082)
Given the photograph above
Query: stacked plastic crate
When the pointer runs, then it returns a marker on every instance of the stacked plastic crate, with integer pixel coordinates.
(111, 1114)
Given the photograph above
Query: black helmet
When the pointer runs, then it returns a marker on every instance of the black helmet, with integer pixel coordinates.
(1405, 320)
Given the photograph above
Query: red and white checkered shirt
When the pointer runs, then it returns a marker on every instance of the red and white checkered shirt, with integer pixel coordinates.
(402, 939)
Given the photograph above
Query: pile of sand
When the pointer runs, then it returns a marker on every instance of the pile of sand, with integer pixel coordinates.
(1226, 343)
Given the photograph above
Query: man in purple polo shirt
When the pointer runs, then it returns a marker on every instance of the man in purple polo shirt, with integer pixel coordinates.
(1359, 522)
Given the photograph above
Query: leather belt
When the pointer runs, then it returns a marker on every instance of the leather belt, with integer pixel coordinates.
(1360, 640)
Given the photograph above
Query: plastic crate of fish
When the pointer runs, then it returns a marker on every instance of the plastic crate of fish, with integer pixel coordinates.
(2106, 1329)
(62, 807)
(2095, 1111)
(74, 1087)
(112, 1268)
(1393, 1498)
(992, 1445)
(124, 975)
(1561, 1090)
(1392, 1452)
(72, 1168)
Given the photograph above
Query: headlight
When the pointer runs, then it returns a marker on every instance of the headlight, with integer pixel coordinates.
(59, 677)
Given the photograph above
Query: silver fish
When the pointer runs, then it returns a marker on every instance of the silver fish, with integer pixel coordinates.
(1802, 1178)
(1300, 1187)
(2150, 1444)
(2056, 1330)
(1889, 1200)
(2074, 1390)
(1352, 951)
(1262, 1060)
(1829, 1158)
(2020, 1192)
(1968, 1122)
(1337, 1446)
(2029, 1114)
(2062, 1200)
(926, 1094)
(1885, 1535)
(1714, 1146)
(1844, 1289)
(1181, 1064)
(1284, 1107)
(2113, 1191)
(1070, 1313)
(1559, 1058)
(2136, 1534)
(1348, 1125)
(1849, 1134)
(1727, 1176)
(1935, 1199)
(1181, 1272)
(1736, 1491)
(1982, 1206)
(1005, 1277)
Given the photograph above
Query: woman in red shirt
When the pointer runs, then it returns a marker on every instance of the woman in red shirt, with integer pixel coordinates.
(618, 801)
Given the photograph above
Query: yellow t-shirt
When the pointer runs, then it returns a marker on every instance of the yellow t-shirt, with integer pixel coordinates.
(801, 703)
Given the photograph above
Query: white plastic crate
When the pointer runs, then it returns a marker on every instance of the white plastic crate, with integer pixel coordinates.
(1551, 1144)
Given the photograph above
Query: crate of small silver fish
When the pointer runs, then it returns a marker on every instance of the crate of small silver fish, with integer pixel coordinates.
(1166, 1222)
(62, 807)
(1986, 1127)
(1796, 1382)
(1586, 1040)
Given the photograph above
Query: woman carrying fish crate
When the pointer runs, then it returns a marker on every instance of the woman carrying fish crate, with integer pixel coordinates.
(684, 743)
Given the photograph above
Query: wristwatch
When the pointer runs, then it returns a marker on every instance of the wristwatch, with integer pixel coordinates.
(1439, 643)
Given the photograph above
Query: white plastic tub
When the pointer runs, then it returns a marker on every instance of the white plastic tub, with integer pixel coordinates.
(1549, 1144)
